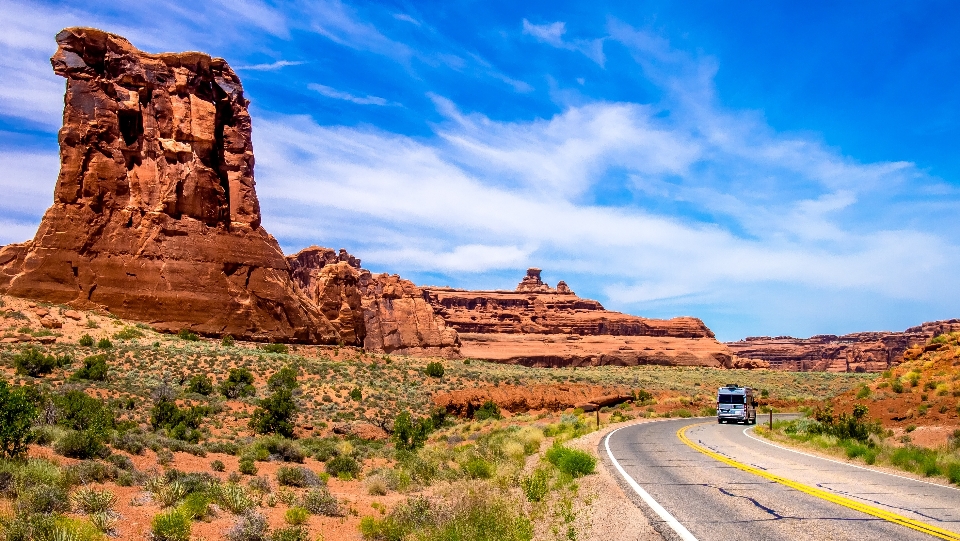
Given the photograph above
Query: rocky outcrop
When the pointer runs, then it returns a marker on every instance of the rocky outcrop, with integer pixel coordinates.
(155, 215)
(857, 352)
(537, 325)
(516, 398)
(382, 312)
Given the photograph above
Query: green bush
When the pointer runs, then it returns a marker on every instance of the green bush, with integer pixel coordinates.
(88, 500)
(33, 362)
(94, 369)
(274, 414)
(252, 526)
(641, 396)
(275, 348)
(489, 410)
(17, 414)
(188, 335)
(81, 444)
(356, 394)
(477, 468)
(195, 506)
(104, 343)
(181, 423)
(218, 465)
(200, 384)
(238, 383)
(45, 499)
(434, 370)
(953, 472)
(170, 526)
(296, 516)
(128, 333)
(285, 378)
(277, 447)
(343, 466)
(247, 467)
(227, 341)
(297, 476)
(410, 434)
(536, 486)
(86, 341)
(897, 386)
(80, 411)
(292, 533)
(571, 461)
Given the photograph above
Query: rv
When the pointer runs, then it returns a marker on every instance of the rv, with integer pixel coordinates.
(736, 404)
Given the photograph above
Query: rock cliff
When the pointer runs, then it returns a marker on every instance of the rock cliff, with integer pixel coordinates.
(857, 352)
(379, 311)
(155, 216)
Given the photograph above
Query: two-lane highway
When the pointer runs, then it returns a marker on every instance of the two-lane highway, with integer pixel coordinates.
(706, 498)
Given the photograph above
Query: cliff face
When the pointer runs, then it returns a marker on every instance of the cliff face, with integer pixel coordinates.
(537, 325)
(378, 311)
(155, 215)
(857, 352)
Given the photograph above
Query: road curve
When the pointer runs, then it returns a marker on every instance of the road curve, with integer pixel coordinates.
(716, 501)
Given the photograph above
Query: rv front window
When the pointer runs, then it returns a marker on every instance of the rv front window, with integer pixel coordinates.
(731, 399)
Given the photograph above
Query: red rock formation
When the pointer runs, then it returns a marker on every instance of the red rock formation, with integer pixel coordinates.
(155, 216)
(857, 352)
(385, 313)
(514, 398)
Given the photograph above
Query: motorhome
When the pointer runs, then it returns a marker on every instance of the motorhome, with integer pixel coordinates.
(736, 404)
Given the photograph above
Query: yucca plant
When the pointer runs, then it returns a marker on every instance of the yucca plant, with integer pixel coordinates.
(91, 501)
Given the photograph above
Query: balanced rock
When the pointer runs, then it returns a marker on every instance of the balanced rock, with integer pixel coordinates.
(155, 216)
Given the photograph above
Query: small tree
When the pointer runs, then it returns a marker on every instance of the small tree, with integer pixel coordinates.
(285, 378)
(94, 369)
(274, 414)
(489, 410)
(33, 362)
(17, 414)
(410, 433)
(435, 370)
(200, 384)
(238, 383)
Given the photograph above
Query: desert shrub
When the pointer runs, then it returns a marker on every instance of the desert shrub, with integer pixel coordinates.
(489, 410)
(477, 468)
(86, 341)
(536, 485)
(227, 341)
(356, 394)
(410, 433)
(343, 466)
(864, 392)
(297, 476)
(17, 414)
(104, 343)
(238, 383)
(434, 370)
(916, 459)
(896, 386)
(641, 396)
(273, 414)
(79, 411)
(128, 333)
(129, 441)
(292, 533)
(91, 471)
(855, 426)
(278, 448)
(81, 444)
(200, 384)
(275, 348)
(319, 501)
(218, 465)
(88, 500)
(953, 472)
(225, 447)
(234, 498)
(251, 526)
(170, 526)
(285, 378)
(94, 369)
(296, 516)
(571, 461)
(247, 467)
(181, 423)
(32, 362)
(45, 499)
(195, 506)
(188, 335)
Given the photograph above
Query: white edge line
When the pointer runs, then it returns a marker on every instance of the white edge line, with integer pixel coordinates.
(646, 497)
(761, 440)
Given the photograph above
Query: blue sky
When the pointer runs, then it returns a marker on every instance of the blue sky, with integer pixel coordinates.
(770, 167)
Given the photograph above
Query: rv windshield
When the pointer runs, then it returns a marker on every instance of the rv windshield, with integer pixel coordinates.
(731, 399)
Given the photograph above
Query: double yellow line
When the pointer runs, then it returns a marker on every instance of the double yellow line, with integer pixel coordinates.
(823, 494)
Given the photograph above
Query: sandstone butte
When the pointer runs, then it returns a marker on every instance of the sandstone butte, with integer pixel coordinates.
(156, 219)
(857, 352)
(537, 325)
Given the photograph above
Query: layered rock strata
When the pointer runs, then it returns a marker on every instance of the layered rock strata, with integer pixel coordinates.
(515, 398)
(857, 352)
(155, 215)
(383, 312)
(537, 325)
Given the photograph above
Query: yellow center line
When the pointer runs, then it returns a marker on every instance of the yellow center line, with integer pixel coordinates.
(823, 494)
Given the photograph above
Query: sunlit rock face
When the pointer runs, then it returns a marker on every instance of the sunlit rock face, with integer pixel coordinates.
(155, 216)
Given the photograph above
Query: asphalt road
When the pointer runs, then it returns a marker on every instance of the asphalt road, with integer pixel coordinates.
(716, 501)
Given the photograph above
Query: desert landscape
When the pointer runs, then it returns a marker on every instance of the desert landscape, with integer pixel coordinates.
(170, 373)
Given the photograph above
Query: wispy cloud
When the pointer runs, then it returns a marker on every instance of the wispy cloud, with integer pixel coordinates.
(273, 66)
(346, 96)
(552, 34)
(406, 18)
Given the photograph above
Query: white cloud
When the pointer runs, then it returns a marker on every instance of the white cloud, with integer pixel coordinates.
(340, 95)
(552, 34)
(406, 18)
(273, 66)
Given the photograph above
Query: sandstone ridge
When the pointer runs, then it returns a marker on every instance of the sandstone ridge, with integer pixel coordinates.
(857, 352)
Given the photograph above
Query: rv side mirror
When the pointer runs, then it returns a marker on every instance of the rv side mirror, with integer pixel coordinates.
(755, 403)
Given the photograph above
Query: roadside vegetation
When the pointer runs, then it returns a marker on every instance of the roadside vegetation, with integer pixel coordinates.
(114, 424)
